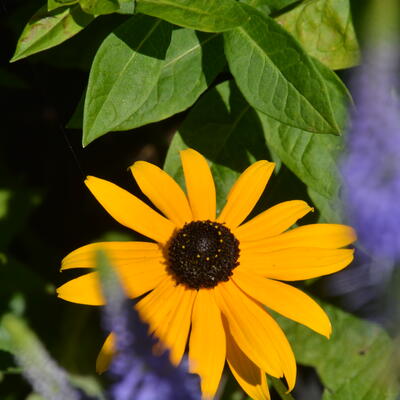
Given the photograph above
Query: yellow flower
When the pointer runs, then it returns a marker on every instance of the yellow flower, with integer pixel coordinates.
(206, 278)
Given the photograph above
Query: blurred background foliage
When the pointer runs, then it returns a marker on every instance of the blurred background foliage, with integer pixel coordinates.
(46, 212)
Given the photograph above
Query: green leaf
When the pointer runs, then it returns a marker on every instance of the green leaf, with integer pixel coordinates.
(356, 363)
(125, 70)
(226, 130)
(277, 5)
(261, 5)
(126, 6)
(313, 157)
(276, 77)
(54, 4)
(101, 7)
(325, 30)
(192, 62)
(203, 15)
(47, 29)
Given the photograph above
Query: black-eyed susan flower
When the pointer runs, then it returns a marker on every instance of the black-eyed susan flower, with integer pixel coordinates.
(206, 279)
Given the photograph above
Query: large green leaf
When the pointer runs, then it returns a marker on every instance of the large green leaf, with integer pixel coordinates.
(47, 29)
(356, 363)
(54, 4)
(261, 5)
(203, 15)
(277, 77)
(313, 157)
(125, 70)
(325, 30)
(226, 130)
(192, 62)
(101, 7)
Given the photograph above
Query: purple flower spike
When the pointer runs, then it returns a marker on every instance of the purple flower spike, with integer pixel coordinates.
(371, 169)
(135, 371)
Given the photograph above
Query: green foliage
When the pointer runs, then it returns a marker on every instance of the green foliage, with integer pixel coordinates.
(101, 7)
(356, 363)
(203, 15)
(261, 5)
(277, 77)
(313, 158)
(124, 72)
(47, 29)
(231, 134)
(181, 79)
(54, 4)
(325, 30)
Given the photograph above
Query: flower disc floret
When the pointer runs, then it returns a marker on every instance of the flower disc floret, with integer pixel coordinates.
(202, 254)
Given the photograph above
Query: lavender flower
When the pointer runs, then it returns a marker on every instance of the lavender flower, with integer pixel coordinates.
(136, 372)
(41, 371)
(371, 170)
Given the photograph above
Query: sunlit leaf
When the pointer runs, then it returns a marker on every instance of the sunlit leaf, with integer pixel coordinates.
(192, 62)
(124, 72)
(261, 5)
(277, 77)
(325, 30)
(54, 4)
(312, 157)
(203, 15)
(47, 29)
(101, 7)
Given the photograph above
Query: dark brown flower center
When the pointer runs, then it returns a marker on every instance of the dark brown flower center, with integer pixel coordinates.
(202, 254)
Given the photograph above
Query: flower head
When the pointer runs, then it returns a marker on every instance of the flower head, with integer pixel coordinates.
(205, 278)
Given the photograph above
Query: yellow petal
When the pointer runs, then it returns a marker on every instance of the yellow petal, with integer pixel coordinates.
(106, 354)
(248, 375)
(174, 332)
(163, 192)
(128, 210)
(168, 309)
(297, 263)
(136, 280)
(155, 307)
(280, 342)
(273, 221)
(245, 193)
(83, 290)
(199, 185)
(207, 346)
(256, 333)
(247, 324)
(286, 300)
(324, 236)
(118, 253)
